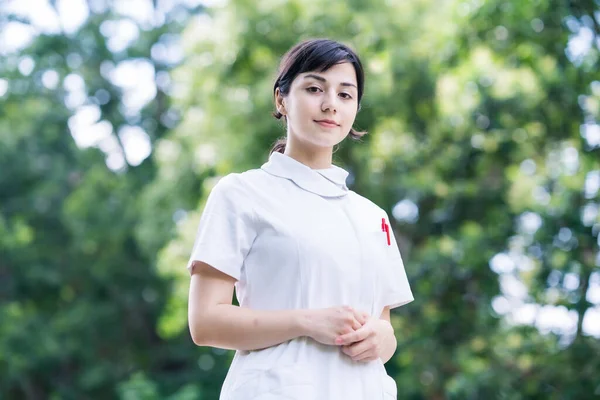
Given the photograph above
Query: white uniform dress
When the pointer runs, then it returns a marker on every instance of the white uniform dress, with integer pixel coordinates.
(296, 238)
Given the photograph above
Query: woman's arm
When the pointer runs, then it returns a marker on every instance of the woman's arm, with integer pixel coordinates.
(390, 343)
(214, 321)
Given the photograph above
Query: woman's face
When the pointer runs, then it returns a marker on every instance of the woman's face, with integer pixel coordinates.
(321, 106)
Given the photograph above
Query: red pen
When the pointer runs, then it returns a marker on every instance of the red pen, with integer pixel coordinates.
(386, 228)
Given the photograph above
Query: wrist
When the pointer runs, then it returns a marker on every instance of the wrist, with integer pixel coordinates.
(303, 322)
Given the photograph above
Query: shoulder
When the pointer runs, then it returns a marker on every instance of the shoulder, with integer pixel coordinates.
(239, 186)
(241, 180)
(367, 205)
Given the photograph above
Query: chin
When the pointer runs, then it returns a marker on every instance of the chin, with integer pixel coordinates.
(324, 140)
(324, 143)
(321, 139)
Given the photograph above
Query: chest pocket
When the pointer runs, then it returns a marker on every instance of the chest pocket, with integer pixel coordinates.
(378, 243)
(379, 254)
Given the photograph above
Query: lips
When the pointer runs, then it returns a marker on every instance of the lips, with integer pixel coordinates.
(327, 123)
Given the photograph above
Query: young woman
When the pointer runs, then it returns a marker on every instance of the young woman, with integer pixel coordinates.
(315, 266)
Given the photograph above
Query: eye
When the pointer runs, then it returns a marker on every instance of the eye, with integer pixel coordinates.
(345, 95)
(313, 89)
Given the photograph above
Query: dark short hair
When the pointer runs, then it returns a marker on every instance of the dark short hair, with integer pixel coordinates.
(315, 55)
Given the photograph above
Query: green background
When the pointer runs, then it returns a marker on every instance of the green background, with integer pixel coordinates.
(483, 144)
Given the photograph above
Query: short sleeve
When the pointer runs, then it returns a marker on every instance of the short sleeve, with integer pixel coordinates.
(226, 229)
(396, 290)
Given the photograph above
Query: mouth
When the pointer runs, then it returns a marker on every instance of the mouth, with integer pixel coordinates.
(327, 124)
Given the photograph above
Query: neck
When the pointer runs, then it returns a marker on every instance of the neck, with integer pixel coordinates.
(315, 158)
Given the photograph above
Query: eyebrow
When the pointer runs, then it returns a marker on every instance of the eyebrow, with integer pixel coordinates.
(320, 78)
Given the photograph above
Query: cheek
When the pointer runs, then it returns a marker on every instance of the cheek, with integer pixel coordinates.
(302, 107)
(350, 115)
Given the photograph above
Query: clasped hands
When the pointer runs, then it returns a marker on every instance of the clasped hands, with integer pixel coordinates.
(359, 335)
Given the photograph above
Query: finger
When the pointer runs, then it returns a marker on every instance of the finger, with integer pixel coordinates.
(353, 337)
(355, 349)
(369, 358)
(347, 330)
(361, 316)
(365, 355)
(356, 324)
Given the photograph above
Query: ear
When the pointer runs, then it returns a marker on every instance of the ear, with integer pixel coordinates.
(279, 102)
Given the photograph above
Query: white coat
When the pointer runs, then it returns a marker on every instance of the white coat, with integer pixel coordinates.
(297, 238)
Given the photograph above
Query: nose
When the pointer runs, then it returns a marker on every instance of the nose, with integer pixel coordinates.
(329, 102)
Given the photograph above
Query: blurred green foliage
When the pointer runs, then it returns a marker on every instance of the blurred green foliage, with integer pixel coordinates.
(481, 118)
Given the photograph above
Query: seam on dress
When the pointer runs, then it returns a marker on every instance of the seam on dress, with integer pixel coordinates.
(301, 277)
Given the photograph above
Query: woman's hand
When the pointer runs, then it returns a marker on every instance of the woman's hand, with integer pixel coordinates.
(325, 325)
(368, 342)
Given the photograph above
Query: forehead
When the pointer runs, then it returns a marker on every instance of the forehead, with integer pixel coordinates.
(337, 74)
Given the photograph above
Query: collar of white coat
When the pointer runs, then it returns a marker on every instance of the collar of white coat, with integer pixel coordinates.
(328, 182)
